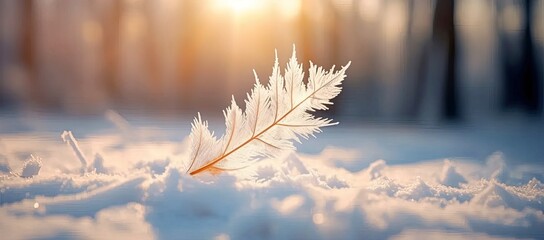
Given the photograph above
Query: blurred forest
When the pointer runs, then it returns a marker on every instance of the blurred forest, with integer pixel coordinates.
(412, 60)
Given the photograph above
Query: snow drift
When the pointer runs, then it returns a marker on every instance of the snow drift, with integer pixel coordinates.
(138, 190)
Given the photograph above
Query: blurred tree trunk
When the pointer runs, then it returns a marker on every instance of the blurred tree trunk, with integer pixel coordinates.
(151, 55)
(414, 81)
(305, 30)
(189, 21)
(333, 31)
(530, 83)
(28, 51)
(522, 88)
(445, 39)
(110, 23)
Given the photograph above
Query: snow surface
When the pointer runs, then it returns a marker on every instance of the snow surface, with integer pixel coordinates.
(135, 188)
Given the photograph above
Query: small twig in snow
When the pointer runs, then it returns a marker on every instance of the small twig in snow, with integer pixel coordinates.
(68, 138)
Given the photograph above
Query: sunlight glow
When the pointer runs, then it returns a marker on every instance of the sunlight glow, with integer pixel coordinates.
(240, 6)
(289, 9)
(343, 5)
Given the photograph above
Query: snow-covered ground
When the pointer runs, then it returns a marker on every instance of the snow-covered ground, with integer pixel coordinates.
(352, 182)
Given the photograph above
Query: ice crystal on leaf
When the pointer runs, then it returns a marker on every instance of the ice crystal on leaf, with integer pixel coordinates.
(276, 115)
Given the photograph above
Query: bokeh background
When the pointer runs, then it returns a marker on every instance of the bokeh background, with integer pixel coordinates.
(413, 61)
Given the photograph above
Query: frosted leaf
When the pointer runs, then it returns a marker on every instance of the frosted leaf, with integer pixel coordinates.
(275, 116)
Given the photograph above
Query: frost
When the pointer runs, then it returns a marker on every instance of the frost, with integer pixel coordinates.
(292, 165)
(31, 167)
(450, 176)
(4, 165)
(69, 139)
(375, 168)
(416, 191)
(276, 115)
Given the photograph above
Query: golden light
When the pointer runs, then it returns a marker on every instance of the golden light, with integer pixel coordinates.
(343, 5)
(91, 32)
(133, 24)
(289, 9)
(240, 6)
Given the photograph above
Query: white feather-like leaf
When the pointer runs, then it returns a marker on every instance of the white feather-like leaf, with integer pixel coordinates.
(275, 116)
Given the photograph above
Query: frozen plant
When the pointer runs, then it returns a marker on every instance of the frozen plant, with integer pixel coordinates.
(69, 139)
(276, 115)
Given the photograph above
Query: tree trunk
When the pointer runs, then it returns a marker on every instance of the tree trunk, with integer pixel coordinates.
(444, 37)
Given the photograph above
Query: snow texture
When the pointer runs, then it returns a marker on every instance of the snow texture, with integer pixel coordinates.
(450, 176)
(31, 167)
(138, 190)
